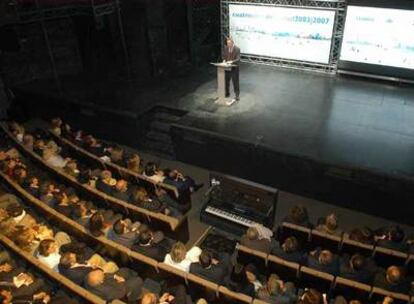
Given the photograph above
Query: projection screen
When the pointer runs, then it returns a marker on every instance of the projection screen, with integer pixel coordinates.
(290, 33)
(379, 36)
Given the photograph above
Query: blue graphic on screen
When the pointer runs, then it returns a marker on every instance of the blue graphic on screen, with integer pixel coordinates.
(379, 36)
(290, 33)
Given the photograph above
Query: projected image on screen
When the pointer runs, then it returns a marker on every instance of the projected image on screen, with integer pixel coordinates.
(290, 33)
(379, 36)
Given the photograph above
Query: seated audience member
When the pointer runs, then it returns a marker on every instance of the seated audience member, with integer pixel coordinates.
(180, 258)
(364, 235)
(24, 238)
(173, 207)
(8, 199)
(47, 193)
(252, 275)
(17, 130)
(134, 163)
(393, 279)
(48, 254)
(53, 159)
(19, 217)
(175, 295)
(311, 296)
(298, 215)
(276, 291)
(32, 186)
(70, 268)
(24, 286)
(391, 237)
(151, 171)
(114, 286)
(20, 175)
(211, 269)
(39, 146)
(97, 225)
(63, 204)
(121, 191)
(330, 225)
(55, 126)
(8, 270)
(71, 168)
(28, 142)
(239, 283)
(106, 183)
(123, 233)
(323, 260)
(253, 240)
(141, 198)
(355, 268)
(181, 182)
(156, 249)
(117, 155)
(289, 250)
(81, 214)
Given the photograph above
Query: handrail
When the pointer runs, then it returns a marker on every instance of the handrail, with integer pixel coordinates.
(80, 291)
(174, 223)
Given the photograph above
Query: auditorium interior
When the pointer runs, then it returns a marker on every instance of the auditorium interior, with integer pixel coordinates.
(132, 171)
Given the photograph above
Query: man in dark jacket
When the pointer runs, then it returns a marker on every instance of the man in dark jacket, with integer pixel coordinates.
(231, 54)
(212, 269)
(70, 268)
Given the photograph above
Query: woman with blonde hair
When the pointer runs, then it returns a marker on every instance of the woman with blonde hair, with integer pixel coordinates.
(180, 258)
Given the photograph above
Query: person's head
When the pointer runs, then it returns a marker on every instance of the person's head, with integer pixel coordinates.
(143, 228)
(80, 210)
(355, 302)
(396, 234)
(28, 141)
(134, 161)
(96, 224)
(325, 257)
(106, 175)
(119, 227)
(340, 300)
(47, 247)
(205, 259)
(56, 122)
(140, 194)
(67, 260)
(149, 298)
(121, 185)
(117, 153)
(20, 173)
(250, 272)
(34, 181)
(145, 238)
(6, 296)
(273, 284)
(72, 165)
(363, 235)
(150, 169)
(252, 234)
(178, 252)
(331, 222)
(201, 301)
(95, 278)
(311, 296)
(290, 244)
(229, 42)
(299, 214)
(23, 237)
(394, 275)
(357, 261)
(14, 210)
(6, 267)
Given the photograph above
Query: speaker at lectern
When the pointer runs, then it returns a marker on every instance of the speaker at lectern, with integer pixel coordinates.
(222, 67)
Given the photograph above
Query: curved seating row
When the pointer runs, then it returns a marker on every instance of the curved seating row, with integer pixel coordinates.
(151, 265)
(171, 225)
(313, 278)
(313, 238)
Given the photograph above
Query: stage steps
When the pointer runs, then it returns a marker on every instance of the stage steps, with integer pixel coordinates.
(156, 129)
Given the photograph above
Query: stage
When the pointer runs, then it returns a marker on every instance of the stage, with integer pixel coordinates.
(333, 138)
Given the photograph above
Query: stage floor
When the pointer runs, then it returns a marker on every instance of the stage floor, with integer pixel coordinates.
(336, 120)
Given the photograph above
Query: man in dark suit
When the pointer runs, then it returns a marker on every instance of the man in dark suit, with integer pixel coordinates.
(393, 279)
(355, 268)
(114, 286)
(212, 269)
(289, 250)
(122, 234)
(323, 260)
(231, 54)
(70, 268)
(251, 239)
(148, 247)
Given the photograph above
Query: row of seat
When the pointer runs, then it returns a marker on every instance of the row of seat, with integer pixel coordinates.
(308, 277)
(146, 264)
(311, 238)
(170, 225)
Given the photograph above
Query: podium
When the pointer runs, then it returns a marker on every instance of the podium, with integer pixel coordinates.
(222, 67)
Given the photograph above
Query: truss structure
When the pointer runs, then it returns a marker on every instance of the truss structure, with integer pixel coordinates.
(339, 6)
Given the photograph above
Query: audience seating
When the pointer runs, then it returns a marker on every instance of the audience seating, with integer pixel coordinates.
(388, 257)
(378, 294)
(350, 246)
(302, 234)
(171, 225)
(325, 240)
(309, 277)
(353, 289)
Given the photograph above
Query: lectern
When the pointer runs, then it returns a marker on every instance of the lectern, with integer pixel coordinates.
(222, 67)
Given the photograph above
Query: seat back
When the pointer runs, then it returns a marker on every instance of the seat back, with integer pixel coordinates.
(378, 294)
(352, 289)
(200, 286)
(289, 271)
(351, 247)
(385, 257)
(228, 296)
(303, 234)
(246, 255)
(325, 240)
(311, 278)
